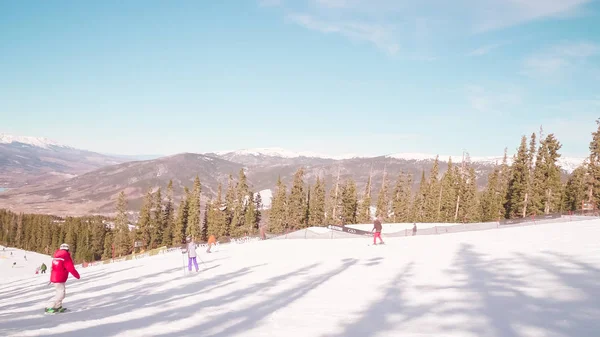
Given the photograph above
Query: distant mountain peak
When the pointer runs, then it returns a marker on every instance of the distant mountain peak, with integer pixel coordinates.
(33, 141)
(281, 153)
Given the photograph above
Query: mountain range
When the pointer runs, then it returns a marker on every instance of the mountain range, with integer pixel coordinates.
(43, 176)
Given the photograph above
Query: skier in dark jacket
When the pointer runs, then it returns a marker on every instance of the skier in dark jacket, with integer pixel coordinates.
(43, 268)
(377, 228)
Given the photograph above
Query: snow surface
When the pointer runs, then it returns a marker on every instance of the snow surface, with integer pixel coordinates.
(527, 281)
(33, 141)
(23, 267)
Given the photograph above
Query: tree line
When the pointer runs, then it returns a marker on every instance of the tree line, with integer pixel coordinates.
(530, 185)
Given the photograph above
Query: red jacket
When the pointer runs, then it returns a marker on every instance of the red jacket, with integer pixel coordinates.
(62, 265)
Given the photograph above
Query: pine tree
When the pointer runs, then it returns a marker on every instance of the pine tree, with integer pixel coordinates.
(401, 202)
(418, 207)
(449, 192)
(349, 202)
(383, 199)
(530, 195)
(504, 178)
(232, 210)
(317, 204)
(206, 221)
(278, 213)
(258, 213)
(576, 190)
(167, 218)
(250, 214)
(364, 213)
(218, 222)
(181, 223)
(517, 185)
(431, 199)
(490, 205)
(122, 242)
(194, 216)
(552, 183)
(144, 223)
(108, 245)
(297, 202)
(470, 203)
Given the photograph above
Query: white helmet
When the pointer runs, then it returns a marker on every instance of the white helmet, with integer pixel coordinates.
(64, 246)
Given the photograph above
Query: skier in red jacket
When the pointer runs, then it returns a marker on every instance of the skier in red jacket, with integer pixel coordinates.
(62, 265)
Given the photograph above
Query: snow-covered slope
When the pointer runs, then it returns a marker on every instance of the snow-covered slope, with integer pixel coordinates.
(26, 263)
(33, 141)
(526, 281)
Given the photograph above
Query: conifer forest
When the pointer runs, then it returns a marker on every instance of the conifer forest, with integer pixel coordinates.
(531, 184)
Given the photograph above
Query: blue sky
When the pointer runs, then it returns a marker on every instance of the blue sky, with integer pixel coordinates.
(331, 76)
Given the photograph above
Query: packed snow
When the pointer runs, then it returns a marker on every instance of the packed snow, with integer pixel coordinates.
(33, 141)
(530, 281)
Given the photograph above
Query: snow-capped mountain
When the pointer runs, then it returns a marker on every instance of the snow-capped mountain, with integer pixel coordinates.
(282, 153)
(252, 156)
(33, 141)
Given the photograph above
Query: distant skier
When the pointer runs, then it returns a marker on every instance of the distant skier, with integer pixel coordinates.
(211, 241)
(25, 257)
(62, 265)
(43, 268)
(414, 229)
(377, 228)
(190, 249)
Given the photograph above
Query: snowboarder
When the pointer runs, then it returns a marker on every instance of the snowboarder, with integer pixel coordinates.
(62, 265)
(211, 242)
(414, 229)
(190, 249)
(43, 268)
(377, 228)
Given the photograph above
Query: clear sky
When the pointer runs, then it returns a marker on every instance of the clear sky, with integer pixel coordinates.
(332, 76)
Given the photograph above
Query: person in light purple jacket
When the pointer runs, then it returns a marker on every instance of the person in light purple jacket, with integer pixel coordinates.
(190, 249)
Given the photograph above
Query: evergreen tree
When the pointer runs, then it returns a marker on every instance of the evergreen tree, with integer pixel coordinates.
(278, 212)
(181, 223)
(108, 245)
(250, 214)
(491, 198)
(167, 218)
(317, 204)
(470, 203)
(258, 210)
(449, 192)
(432, 197)
(206, 221)
(401, 202)
(297, 202)
(156, 222)
(218, 222)
(419, 200)
(364, 213)
(349, 202)
(194, 216)
(576, 190)
(144, 223)
(552, 183)
(122, 241)
(232, 210)
(517, 185)
(383, 199)
(594, 167)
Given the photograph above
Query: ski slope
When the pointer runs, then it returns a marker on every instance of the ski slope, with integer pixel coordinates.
(23, 267)
(531, 281)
